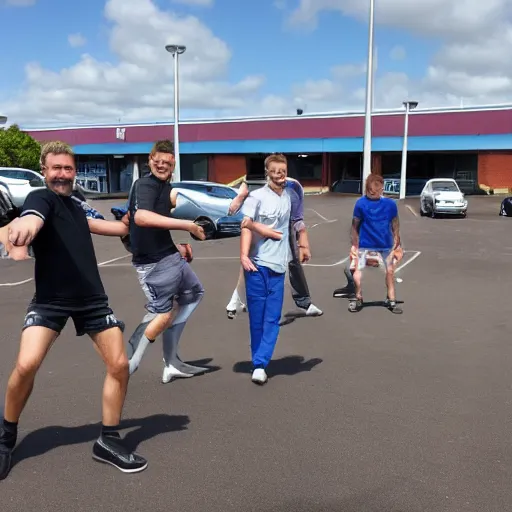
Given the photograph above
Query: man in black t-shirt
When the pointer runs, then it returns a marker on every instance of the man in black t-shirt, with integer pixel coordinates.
(68, 285)
(162, 268)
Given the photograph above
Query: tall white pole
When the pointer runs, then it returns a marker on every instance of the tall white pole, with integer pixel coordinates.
(403, 171)
(367, 146)
(177, 173)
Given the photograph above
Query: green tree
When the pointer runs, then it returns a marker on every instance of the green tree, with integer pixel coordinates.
(18, 149)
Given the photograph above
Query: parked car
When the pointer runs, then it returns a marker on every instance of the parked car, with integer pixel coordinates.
(442, 196)
(18, 183)
(202, 200)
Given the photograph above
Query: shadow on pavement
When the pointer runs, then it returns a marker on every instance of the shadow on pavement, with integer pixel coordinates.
(46, 439)
(289, 365)
(203, 363)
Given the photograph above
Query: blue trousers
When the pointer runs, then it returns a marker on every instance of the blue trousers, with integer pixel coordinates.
(265, 294)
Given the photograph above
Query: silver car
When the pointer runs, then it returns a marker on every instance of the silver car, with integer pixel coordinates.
(442, 196)
(202, 200)
(18, 183)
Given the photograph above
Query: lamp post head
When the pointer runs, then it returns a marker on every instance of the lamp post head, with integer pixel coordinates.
(175, 49)
(3, 119)
(411, 104)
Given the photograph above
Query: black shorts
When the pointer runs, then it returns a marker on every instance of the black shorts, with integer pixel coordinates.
(89, 320)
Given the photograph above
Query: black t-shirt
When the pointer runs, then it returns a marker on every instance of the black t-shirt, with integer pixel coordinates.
(66, 269)
(150, 245)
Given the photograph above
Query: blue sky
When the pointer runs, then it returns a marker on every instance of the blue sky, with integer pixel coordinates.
(271, 58)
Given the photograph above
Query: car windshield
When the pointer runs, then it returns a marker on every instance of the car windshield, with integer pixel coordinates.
(444, 186)
(212, 190)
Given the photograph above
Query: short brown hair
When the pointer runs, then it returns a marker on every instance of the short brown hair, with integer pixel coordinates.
(277, 158)
(162, 146)
(372, 180)
(55, 147)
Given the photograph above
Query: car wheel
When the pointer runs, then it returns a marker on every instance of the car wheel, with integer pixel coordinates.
(209, 228)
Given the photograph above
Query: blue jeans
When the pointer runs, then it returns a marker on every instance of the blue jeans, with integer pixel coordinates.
(265, 294)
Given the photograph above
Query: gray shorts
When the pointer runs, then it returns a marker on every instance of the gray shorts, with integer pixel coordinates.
(171, 278)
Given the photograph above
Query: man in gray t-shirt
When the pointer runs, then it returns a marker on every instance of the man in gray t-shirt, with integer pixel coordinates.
(265, 262)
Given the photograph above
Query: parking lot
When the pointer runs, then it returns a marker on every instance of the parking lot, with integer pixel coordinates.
(363, 412)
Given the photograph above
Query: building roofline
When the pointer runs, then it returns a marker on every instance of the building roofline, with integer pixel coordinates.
(319, 115)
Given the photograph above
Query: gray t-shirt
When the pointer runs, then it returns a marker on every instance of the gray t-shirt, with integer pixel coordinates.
(267, 207)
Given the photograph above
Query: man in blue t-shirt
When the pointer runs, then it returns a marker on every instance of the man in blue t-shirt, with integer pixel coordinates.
(375, 240)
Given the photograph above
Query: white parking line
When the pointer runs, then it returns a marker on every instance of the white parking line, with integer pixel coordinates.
(18, 283)
(320, 215)
(411, 209)
(102, 264)
(416, 255)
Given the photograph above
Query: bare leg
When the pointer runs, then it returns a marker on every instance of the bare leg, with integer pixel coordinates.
(159, 324)
(357, 276)
(237, 304)
(390, 283)
(35, 343)
(110, 346)
(109, 448)
(146, 332)
(356, 302)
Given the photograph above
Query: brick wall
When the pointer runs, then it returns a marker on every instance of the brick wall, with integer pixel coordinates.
(226, 168)
(495, 170)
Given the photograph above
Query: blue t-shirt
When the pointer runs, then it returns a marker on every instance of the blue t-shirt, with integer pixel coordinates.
(376, 215)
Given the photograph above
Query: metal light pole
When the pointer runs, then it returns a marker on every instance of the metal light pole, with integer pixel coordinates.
(409, 105)
(367, 146)
(176, 50)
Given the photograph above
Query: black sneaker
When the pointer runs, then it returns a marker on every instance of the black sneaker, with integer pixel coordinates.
(346, 291)
(5, 461)
(110, 450)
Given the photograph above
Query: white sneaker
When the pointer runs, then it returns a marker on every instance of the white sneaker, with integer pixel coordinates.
(314, 311)
(259, 376)
(171, 372)
(235, 307)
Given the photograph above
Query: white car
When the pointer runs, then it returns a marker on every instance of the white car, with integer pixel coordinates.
(442, 196)
(18, 183)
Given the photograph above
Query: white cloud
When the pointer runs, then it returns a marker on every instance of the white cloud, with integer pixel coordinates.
(398, 53)
(200, 3)
(76, 40)
(472, 64)
(139, 86)
(20, 3)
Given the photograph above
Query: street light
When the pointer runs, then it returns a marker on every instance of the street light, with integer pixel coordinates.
(3, 119)
(175, 50)
(409, 105)
(367, 145)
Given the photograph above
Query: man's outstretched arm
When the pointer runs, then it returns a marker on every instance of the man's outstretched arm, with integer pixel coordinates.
(144, 217)
(107, 227)
(261, 229)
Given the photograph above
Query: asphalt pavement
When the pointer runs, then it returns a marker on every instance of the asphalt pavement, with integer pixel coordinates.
(363, 412)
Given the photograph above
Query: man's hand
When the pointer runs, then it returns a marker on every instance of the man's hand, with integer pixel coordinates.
(247, 264)
(22, 232)
(186, 251)
(18, 253)
(238, 201)
(197, 231)
(304, 254)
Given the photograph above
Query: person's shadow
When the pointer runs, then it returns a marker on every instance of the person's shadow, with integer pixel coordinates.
(204, 363)
(289, 365)
(41, 441)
